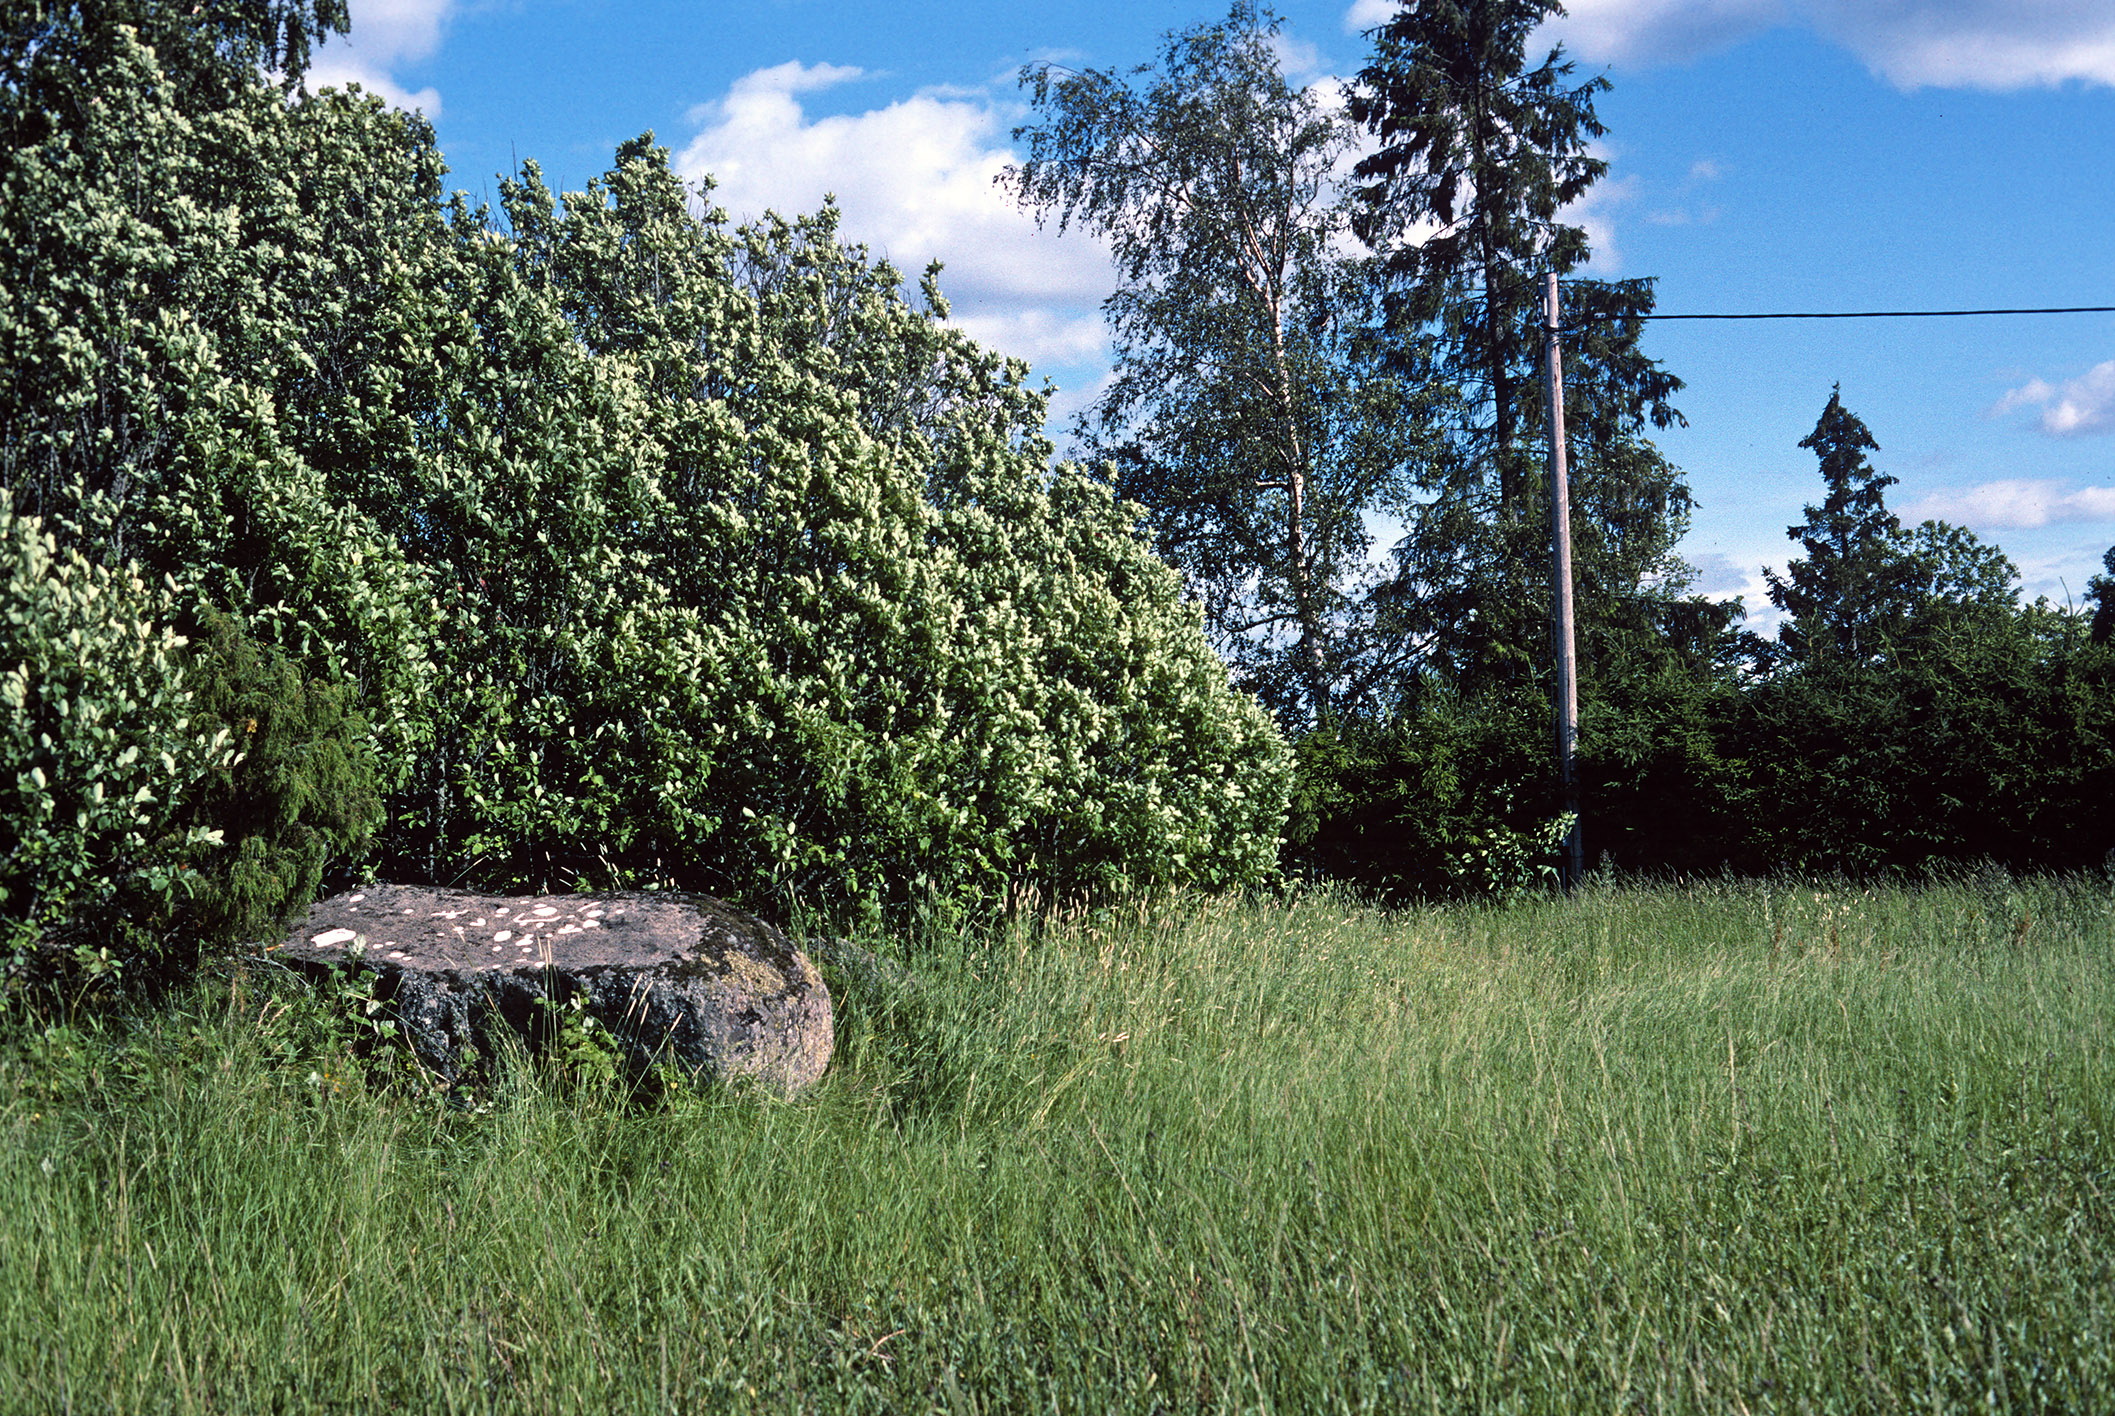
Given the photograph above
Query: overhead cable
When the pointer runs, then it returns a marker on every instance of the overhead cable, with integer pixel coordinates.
(1888, 314)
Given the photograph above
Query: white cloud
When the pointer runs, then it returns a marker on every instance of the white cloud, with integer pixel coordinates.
(1660, 31)
(1366, 14)
(389, 30)
(1297, 60)
(1987, 44)
(1596, 214)
(915, 180)
(384, 34)
(759, 93)
(2085, 404)
(1719, 574)
(1042, 336)
(2014, 504)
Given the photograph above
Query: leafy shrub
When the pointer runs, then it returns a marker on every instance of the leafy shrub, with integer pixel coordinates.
(1977, 742)
(648, 551)
(103, 743)
(168, 795)
(192, 264)
(765, 585)
(1661, 768)
(1450, 799)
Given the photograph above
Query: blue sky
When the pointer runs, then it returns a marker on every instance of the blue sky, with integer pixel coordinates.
(1765, 155)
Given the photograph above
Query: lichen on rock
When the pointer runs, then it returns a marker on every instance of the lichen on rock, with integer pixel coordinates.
(682, 980)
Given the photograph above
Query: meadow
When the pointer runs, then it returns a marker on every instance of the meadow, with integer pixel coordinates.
(1720, 1146)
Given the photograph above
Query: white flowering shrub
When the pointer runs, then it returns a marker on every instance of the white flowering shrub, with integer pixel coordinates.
(772, 589)
(637, 549)
(99, 740)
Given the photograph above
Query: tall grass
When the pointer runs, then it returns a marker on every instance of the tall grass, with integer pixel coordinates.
(1711, 1148)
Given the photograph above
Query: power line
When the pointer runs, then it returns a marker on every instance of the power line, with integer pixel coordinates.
(1883, 314)
(1582, 318)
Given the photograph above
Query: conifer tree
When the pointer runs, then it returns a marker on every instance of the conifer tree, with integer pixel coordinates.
(1866, 584)
(1838, 595)
(1479, 156)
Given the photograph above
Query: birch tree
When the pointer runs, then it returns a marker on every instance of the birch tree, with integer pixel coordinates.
(1240, 413)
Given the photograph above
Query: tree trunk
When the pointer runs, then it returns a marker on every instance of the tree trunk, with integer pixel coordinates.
(1314, 666)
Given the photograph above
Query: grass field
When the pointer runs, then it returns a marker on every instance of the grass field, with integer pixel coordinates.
(1725, 1147)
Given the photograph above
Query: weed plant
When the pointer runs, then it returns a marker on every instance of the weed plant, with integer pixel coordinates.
(1717, 1147)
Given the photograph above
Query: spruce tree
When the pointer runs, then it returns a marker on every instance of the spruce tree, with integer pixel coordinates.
(1479, 153)
(1836, 598)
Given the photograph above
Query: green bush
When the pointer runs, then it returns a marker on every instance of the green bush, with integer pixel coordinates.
(103, 743)
(647, 551)
(167, 795)
(1971, 742)
(1450, 799)
(299, 793)
(765, 585)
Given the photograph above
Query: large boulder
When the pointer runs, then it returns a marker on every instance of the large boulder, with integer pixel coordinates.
(682, 979)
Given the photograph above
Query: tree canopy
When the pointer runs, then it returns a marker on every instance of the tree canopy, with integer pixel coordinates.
(1864, 582)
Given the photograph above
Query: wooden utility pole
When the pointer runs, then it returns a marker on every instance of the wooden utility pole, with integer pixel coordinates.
(1561, 567)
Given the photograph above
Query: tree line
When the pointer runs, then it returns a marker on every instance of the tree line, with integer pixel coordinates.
(593, 541)
(1327, 329)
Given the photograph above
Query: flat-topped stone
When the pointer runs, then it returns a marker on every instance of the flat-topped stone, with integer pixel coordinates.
(684, 979)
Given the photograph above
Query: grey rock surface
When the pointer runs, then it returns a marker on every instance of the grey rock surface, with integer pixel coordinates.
(683, 979)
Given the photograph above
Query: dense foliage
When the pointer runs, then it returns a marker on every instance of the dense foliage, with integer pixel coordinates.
(590, 540)
(1282, 395)
(1910, 709)
(597, 541)
(1910, 714)
(100, 745)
